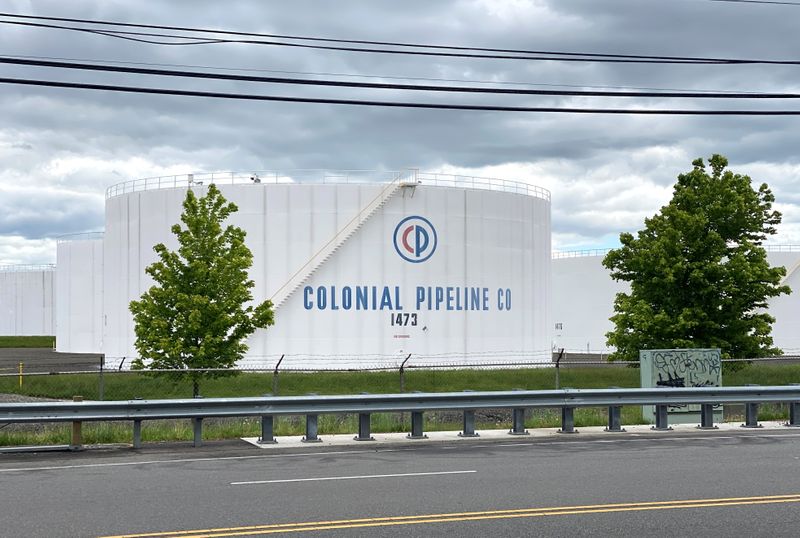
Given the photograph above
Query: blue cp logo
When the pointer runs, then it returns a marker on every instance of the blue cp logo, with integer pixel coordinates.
(415, 239)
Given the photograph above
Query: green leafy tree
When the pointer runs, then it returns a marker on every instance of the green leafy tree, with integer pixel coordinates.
(197, 314)
(698, 272)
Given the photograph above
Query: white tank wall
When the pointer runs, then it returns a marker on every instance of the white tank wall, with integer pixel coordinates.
(583, 301)
(786, 308)
(79, 304)
(486, 239)
(26, 301)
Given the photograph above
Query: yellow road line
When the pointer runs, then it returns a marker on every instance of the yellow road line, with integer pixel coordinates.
(466, 516)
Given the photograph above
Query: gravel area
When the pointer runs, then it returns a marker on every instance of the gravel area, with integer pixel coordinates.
(46, 360)
(18, 398)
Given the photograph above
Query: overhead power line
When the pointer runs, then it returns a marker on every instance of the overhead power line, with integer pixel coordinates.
(144, 37)
(390, 86)
(394, 104)
(365, 76)
(758, 2)
(462, 51)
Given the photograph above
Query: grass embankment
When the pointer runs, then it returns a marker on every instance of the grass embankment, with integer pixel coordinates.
(28, 341)
(123, 386)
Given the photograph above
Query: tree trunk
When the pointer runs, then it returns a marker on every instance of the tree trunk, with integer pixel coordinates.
(195, 388)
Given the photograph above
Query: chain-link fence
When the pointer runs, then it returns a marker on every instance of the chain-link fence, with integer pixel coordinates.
(410, 374)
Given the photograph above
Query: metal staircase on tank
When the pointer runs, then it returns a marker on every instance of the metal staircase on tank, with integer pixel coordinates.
(305, 272)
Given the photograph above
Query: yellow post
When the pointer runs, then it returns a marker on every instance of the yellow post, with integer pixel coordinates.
(77, 434)
(20, 374)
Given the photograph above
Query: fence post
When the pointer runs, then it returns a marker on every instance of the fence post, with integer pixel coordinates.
(76, 443)
(403, 373)
(101, 385)
(558, 363)
(20, 375)
(275, 376)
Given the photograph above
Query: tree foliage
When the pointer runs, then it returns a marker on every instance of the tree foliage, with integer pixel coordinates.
(198, 312)
(698, 272)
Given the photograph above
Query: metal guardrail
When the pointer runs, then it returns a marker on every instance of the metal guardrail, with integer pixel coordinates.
(416, 403)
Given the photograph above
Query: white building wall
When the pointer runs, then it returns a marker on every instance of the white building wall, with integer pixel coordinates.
(26, 300)
(583, 301)
(786, 308)
(79, 278)
(486, 239)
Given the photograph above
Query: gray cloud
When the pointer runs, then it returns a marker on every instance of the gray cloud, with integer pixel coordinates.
(62, 148)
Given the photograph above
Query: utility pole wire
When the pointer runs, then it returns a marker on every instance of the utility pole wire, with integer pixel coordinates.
(505, 54)
(390, 86)
(394, 104)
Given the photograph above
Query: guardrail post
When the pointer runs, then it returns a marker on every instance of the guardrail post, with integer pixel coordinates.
(137, 434)
(567, 420)
(518, 422)
(469, 424)
(794, 413)
(751, 414)
(707, 417)
(364, 428)
(76, 443)
(416, 426)
(614, 419)
(662, 418)
(311, 430)
(197, 425)
(267, 437)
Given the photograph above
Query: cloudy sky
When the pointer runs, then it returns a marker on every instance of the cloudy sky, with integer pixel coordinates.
(61, 148)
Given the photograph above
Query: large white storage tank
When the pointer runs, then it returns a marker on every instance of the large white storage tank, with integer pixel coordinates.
(79, 295)
(583, 300)
(26, 300)
(364, 268)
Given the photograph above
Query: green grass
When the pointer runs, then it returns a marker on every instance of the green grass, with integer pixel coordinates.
(27, 341)
(127, 385)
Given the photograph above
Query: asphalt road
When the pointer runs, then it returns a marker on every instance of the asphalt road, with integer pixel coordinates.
(704, 484)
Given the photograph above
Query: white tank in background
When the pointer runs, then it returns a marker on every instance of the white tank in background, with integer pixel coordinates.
(26, 300)
(79, 293)
(583, 300)
(364, 268)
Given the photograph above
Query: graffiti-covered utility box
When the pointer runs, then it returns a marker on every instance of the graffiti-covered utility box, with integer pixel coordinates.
(680, 368)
